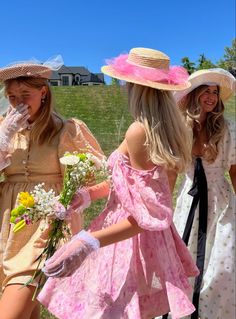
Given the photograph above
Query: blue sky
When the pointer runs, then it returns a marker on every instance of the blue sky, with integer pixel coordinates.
(86, 33)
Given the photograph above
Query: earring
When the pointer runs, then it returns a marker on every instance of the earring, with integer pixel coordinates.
(42, 100)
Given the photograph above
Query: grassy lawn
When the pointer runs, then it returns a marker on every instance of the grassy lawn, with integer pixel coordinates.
(104, 110)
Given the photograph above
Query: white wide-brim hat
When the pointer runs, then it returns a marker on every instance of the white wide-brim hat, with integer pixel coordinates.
(147, 67)
(217, 76)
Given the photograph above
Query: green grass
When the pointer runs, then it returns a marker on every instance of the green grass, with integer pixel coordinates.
(104, 109)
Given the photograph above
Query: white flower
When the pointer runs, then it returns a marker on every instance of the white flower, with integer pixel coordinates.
(69, 160)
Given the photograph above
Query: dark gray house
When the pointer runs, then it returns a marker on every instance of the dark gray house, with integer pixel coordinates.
(75, 75)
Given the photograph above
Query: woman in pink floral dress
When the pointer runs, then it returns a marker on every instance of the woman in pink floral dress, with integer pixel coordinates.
(142, 266)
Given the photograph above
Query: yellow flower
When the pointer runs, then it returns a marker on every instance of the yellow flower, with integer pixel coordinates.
(26, 199)
(21, 224)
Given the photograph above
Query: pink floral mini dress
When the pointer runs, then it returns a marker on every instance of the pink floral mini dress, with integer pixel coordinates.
(141, 277)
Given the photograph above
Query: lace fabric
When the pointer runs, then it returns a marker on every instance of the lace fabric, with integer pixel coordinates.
(71, 255)
(13, 122)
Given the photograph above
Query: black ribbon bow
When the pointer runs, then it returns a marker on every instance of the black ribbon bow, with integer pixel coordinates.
(200, 196)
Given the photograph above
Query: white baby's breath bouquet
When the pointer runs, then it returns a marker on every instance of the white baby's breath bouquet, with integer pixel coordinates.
(81, 169)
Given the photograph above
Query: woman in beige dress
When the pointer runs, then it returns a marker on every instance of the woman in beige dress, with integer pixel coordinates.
(32, 139)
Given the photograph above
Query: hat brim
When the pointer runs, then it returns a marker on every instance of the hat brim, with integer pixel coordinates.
(24, 70)
(109, 70)
(225, 82)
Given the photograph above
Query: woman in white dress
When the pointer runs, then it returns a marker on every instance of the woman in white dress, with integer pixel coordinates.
(206, 202)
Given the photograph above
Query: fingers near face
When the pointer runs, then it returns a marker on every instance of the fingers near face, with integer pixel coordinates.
(20, 94)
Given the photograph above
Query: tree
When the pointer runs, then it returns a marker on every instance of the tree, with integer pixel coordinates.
(229, 60)
(188, 65)
(115, 81)
(204, 63)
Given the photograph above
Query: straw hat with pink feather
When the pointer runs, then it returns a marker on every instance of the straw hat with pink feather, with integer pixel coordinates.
(147, 67)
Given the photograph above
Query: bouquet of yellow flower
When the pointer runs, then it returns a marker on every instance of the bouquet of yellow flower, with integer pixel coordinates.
(81, 169)
(33, 206)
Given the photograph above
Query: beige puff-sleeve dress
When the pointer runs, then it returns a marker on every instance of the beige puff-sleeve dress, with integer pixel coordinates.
(32, 164)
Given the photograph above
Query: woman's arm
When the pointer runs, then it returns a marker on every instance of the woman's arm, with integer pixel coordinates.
(70, 256)
(134, 146)
(99, 191)
(84, 196)
(123, 230)
(232, 174)
(172, 177)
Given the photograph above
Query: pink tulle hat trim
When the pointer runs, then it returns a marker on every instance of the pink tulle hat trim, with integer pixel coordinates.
(174, 75)
(147, 67)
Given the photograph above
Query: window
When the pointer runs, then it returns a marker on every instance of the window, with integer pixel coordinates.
(65, 80)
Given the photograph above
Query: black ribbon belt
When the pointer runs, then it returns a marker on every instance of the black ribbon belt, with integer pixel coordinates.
(200, 195)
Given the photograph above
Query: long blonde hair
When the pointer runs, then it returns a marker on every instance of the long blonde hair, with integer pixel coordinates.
(215, 122)
(167, 137)
(48, 122)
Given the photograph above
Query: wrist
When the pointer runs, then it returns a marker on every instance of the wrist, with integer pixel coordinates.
(86, 199)
(4, 141)
(85, 236)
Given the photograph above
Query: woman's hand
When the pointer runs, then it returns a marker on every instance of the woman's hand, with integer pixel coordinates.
(70, 256)
(15, 120)
(80, 201)
(12, 123)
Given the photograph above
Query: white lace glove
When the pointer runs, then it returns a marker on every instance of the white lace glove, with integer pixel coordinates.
(70, 256)
(12, 123)
(15, 120)
(80, 201)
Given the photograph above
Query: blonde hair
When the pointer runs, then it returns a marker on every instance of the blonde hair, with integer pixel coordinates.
(48, 122)
(215, 122)
(168, 139)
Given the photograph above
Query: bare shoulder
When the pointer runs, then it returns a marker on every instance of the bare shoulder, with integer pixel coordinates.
(135, 134)
(135, 139)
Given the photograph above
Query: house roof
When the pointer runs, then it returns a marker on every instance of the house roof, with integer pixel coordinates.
(85, 75)
(93, 77)
(73, 70)
(55, 75)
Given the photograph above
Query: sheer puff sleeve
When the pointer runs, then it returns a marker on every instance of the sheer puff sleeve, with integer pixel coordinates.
(145, 195)
(76, 136)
